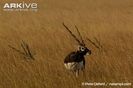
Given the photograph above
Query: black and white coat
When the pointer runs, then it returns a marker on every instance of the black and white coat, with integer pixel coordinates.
(75, 61)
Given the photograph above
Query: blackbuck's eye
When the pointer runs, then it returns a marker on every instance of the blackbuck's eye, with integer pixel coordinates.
(82, 49)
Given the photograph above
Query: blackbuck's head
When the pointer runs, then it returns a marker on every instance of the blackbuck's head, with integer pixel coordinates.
(84, 50)
(82, 46)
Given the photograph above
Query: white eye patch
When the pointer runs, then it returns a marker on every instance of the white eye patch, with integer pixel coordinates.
(82, 49)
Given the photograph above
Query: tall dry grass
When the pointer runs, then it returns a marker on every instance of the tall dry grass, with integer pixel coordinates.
(110, 21)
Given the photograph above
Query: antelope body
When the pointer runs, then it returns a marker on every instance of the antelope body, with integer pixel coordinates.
(75, 61)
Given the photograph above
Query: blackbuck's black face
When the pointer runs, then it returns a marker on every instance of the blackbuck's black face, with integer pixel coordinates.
(84, 50)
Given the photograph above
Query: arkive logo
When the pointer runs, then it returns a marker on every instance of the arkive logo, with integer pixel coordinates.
(22, 6)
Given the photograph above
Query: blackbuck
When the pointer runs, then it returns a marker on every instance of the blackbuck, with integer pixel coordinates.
(75, 61)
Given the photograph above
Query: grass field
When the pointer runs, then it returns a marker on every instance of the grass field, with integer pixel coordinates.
(111, 22)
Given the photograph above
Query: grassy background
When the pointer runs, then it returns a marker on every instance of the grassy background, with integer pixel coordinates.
(111, 22)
